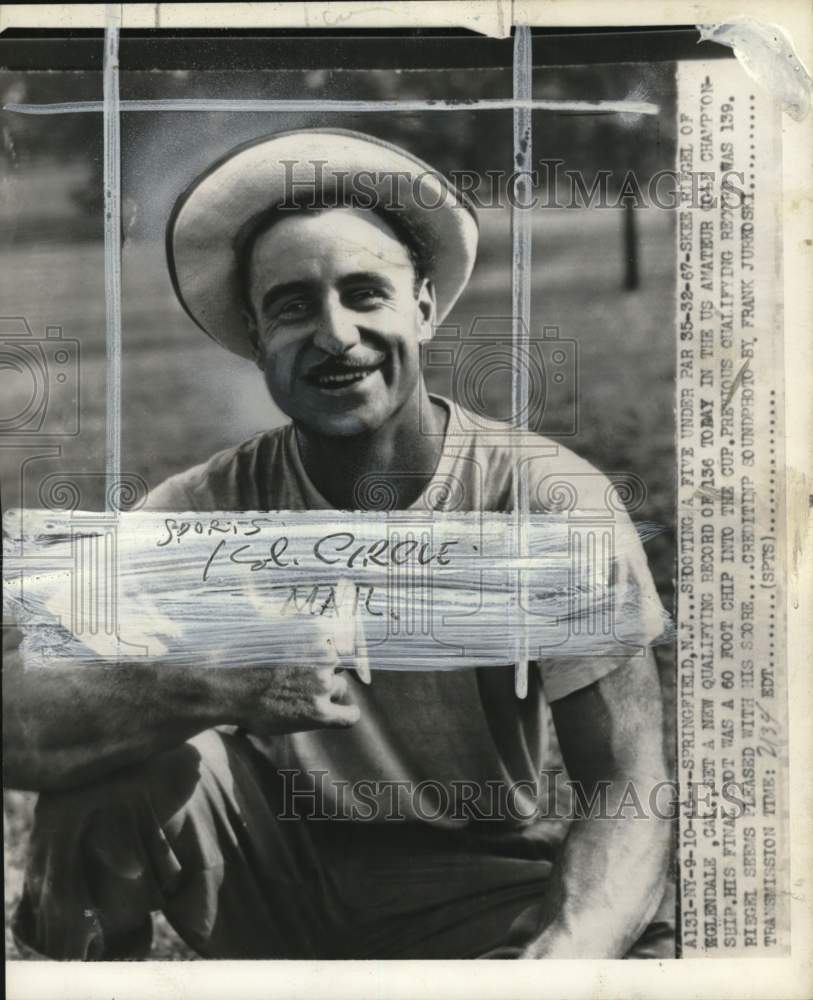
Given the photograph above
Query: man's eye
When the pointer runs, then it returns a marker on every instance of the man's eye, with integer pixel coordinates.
(362, 295)
(293, 310)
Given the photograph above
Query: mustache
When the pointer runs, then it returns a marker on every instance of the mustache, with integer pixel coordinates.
(343, 364)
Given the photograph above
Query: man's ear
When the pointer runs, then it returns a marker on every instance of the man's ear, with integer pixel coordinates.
(254, 338)
(427, 308)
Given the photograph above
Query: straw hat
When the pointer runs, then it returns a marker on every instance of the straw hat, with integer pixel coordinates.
(204, 229)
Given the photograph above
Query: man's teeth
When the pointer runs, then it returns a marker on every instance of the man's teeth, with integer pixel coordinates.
(344, 378)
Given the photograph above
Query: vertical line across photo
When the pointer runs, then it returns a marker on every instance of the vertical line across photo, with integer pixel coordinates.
(521, 303)
(112, 253)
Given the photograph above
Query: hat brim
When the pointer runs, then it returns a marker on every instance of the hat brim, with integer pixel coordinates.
(209, 216)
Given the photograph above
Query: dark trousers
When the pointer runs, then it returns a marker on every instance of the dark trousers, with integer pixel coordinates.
(195, 832)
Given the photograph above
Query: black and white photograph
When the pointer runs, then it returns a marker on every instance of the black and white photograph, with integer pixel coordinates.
(390, 570)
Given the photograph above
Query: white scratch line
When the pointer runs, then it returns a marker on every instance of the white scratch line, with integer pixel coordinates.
(521, 310)
(271, 104)
(112, 253)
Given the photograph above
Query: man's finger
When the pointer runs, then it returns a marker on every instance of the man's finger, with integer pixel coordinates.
(326, 675)
(341, 716)
(339, 688)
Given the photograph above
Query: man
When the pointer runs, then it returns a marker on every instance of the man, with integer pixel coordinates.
(172, 789)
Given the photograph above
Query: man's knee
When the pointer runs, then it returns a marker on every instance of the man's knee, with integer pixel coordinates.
(103, 856)
(109, 816)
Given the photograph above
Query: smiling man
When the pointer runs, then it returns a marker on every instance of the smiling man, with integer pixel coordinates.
(338, 334)
(298, 812)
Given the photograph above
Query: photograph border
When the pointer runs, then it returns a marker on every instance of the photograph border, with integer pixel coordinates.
(781, 978)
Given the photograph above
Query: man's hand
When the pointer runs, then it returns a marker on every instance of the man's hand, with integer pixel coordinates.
(69, 724)
(310, 692)
(291, 699)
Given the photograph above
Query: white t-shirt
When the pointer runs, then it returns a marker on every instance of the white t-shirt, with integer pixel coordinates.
(460, 743)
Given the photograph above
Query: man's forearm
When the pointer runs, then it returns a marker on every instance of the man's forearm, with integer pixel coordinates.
(609, 880)
(65, 726)
(610, 877)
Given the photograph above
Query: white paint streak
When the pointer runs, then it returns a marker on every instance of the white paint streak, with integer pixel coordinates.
(766, 53)
(112, 254)
(521, 311)
(350, 640)
(276, 105)
(224, 590)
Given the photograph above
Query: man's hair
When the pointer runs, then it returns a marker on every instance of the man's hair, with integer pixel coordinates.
(251, 231)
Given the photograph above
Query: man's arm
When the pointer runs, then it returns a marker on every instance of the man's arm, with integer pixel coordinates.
(610, 876)
(65, 726)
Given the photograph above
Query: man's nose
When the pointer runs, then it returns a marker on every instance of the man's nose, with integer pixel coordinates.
(337, 331)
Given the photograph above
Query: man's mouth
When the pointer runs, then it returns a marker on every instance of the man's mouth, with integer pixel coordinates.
(341, 376)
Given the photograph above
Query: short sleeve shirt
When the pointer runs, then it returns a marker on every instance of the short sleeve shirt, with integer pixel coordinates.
(455, 736)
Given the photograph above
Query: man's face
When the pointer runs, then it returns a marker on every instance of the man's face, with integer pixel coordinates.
(338, 319)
